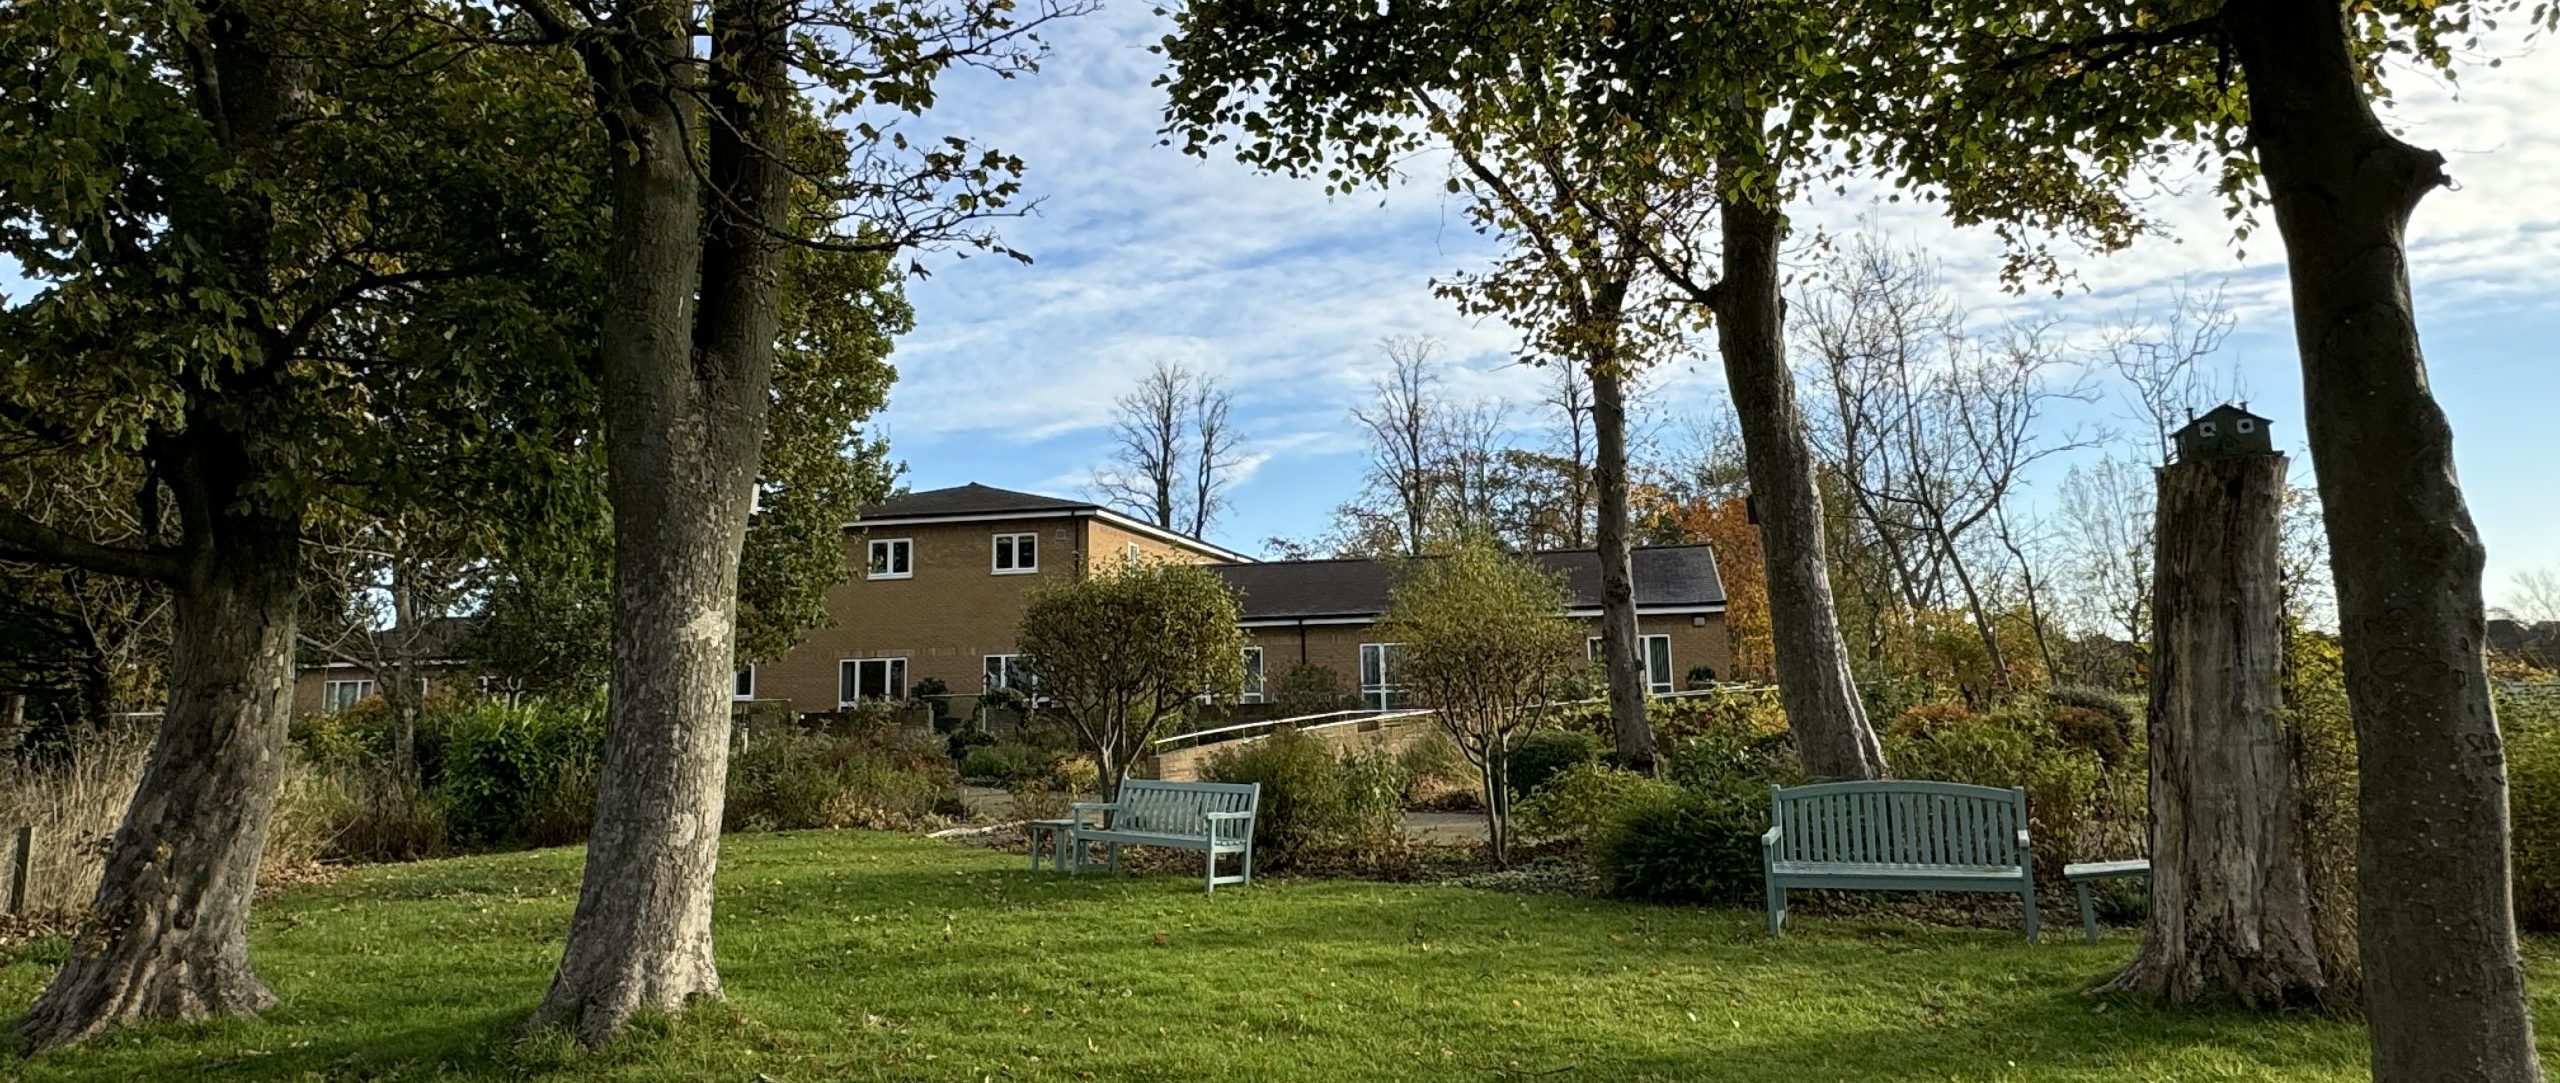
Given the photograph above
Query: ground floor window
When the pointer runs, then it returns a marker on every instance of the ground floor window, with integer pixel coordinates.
(1657, 661)
(743, 687)
(859, 679)
(340, 695)
(1252, 690)
(1007, 671)
(1382, 676)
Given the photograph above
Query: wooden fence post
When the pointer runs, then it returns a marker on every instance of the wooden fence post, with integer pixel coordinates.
(18, 865)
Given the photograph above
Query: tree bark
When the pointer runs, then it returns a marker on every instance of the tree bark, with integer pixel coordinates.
(2444, 985)
(685, 411)
(1628, 723)
(1824, 712)
(2230, 887)
(166, 937)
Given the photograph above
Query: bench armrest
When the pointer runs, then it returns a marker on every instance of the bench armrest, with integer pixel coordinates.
(1077, 810)
(2024, 851)
(1769, 839)
(1218, 822)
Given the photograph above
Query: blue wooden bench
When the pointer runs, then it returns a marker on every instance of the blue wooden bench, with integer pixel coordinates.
(1897, 836)
(1211, 817)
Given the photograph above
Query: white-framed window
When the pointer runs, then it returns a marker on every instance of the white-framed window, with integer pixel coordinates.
(1251, 692)
(1382, 676)
(2246, 426)
(1006, 671)
(2210, 428)
(1658, 677)
(893, 558)
(1017, 554)
(1132, 554)
(743, 687)
(340, 695)
(859, 679)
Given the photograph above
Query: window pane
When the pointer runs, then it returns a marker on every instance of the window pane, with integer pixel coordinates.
(1252, 691)
(1657, 661)
(992, 676)
(746, 683)
(1004, 552)
(899, 554)
(1026, 551)
(848, 674)
(1369, 669)
(879, 558)
(897, 678)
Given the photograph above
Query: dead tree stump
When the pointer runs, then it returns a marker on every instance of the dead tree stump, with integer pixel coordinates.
(2231, 899)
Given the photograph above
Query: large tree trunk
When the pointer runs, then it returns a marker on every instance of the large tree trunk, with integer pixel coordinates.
(167, 935)
(685, 414)
(2230, 889)
(2444, 984)
(1814, 683)
(1628, 724)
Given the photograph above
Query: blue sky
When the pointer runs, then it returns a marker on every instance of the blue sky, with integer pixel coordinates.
(1143, 253)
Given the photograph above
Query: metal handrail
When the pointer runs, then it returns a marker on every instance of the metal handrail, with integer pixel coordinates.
(1301, 722)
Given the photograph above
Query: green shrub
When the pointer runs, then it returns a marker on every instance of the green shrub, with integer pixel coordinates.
(2094, 720)
(520, 774)
(2011, 750)
(1680, 844)
(1305, 689)
(1308, 805)
(2533, 808)
(805, 779)
(1436, 771)
(1004, 764)
(1373, 787)
(1582, 801)
(1546, 754)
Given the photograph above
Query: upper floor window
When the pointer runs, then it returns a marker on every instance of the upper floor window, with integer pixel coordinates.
(1132, 554)
(1017, 553)
(893, 558)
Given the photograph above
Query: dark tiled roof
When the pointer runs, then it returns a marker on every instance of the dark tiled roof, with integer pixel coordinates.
(970, 499)
(439, 639)
(1666, 576)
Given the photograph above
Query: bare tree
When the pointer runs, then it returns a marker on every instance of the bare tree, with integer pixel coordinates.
(1215, 452)
(2163, 362)
(2533, 595)
(1934, 430)
(1470, 464)
(2107, 539)
(1573, 444)
(1404, 419)
(1145, 477)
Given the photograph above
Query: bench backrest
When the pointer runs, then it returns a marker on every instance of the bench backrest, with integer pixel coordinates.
(1180, 808)
(1899, 823)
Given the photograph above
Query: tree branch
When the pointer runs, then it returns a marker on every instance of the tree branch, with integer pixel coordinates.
(24, 538)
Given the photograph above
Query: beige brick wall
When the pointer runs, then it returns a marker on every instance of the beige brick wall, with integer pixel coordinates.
(310, 686)
(944, 619)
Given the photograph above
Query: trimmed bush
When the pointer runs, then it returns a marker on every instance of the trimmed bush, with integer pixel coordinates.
(521, 774)
(1000, 764)
(805, 779)
(1583, 800)
(1544, 755)
(1684, 845)
(1311, 804)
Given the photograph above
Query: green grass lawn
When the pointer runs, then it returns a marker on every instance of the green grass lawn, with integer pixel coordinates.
(863, 956)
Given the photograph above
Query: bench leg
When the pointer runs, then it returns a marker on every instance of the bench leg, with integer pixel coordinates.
(2028, 896)
(1111, 850)
(2088, 915)
(1248, 861)
(1777, 908)
(1212, 877)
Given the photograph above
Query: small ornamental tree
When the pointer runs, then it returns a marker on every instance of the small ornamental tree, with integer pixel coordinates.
(1118, 652)
(1486, 642)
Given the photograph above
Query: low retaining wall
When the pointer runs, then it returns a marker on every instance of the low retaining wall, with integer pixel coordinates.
(1392, 735)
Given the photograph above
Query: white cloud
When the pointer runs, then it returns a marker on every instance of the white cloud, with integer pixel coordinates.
(1145, 253)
